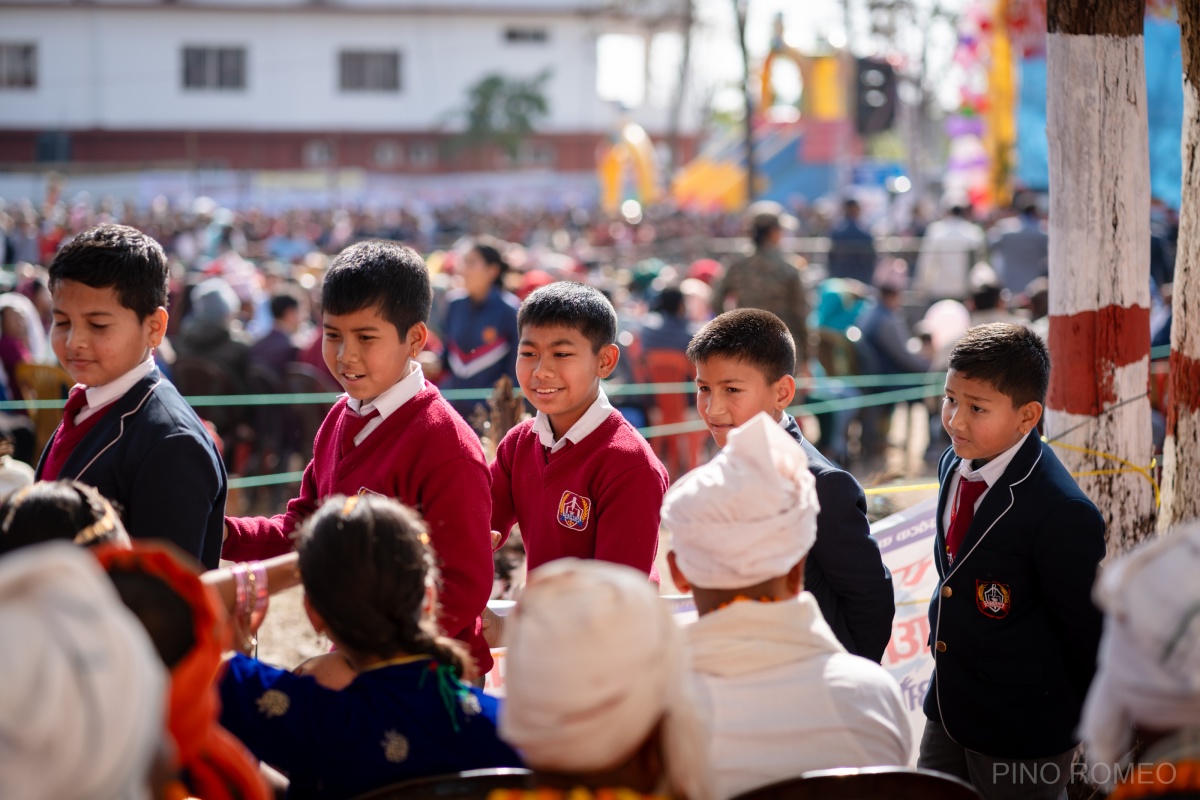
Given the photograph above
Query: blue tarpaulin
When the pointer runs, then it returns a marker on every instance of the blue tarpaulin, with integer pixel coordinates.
(1164, 102)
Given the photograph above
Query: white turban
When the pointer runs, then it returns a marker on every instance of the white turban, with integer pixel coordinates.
(595, 661)
(748, 515)
(1149, 662)
(82, 700)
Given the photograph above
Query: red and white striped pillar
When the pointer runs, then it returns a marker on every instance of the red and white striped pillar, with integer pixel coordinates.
(1181, 456)
(1100, 256)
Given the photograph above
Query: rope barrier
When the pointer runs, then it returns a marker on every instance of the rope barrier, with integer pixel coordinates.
(814, 385)
(1130, 467)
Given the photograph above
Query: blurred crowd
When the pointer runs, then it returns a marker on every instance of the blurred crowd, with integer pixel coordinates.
(880, 297)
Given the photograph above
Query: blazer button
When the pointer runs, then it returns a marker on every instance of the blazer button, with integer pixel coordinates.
(940, 646)
(947, 591)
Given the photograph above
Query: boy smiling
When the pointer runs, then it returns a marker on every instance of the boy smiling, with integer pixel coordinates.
(578, 479)
(745, 364)
(392, 434)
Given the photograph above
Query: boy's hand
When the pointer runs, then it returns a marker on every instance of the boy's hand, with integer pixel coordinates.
(496, 537)
(493, 628)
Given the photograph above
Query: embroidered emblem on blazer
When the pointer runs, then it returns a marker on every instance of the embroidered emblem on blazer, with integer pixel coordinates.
(574, 511)
(993, 599)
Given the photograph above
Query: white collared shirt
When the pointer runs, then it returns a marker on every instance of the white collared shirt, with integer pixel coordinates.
(597, 412)
(387, 403)
(100, 396)
(990, 473)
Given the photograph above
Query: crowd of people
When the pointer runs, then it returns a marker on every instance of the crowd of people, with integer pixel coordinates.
(393, 530)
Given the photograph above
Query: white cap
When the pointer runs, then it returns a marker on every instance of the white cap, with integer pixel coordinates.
(82, 703)
(748, 515)
(594, 662)
(1149, 661)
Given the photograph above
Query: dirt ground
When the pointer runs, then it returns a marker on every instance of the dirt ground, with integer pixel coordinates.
(287, 638)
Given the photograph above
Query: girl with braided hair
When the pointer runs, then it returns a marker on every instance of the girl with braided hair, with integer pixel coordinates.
(66, 509)
(370, 583)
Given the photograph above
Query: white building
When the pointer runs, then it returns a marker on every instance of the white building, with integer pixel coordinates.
(378, 85)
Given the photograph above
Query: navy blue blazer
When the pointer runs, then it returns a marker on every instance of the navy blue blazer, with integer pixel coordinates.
(1013, 627)
(844, 570)
(153, 457)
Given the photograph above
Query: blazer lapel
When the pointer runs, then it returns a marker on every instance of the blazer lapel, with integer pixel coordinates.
(948, 468)
(1000, 498)
(109, 429)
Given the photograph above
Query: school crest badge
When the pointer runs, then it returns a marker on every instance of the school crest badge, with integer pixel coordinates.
(574, 511)
(489, 334)
(993, 599)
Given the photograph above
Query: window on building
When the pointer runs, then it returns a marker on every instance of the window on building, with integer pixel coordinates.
(370, 71)
(317, 153)
(18, 65)
(526, 35)
(538, 154)
(214, 68)
(422, 154)
(388, 154)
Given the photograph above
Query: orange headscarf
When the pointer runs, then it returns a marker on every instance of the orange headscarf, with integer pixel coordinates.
(218, 766)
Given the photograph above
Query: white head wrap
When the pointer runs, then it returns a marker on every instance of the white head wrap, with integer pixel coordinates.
(748, 515)
(595, 661)
(82, 702)
(1149, 662)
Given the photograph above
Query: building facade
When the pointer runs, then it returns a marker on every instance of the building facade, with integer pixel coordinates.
(378, 85)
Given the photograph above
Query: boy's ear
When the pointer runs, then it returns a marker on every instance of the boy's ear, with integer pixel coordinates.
(609, 354)
(681, 581)
(1028, 416)
(785, 392)
(795, 577)
(156, 325)
(415, 340)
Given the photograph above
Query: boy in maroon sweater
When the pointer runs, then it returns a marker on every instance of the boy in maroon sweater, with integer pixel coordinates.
(578, 479)
(392, 434)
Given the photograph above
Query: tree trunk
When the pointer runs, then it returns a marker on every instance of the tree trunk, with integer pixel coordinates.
(749, 100)
(1100, 257)
(1181, 458)
(685, 68)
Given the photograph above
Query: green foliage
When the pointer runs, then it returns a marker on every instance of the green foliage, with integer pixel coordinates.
(503, 111)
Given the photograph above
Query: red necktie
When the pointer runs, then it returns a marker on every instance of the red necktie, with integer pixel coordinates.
(76, 402)
(962, 513)
(352, 425)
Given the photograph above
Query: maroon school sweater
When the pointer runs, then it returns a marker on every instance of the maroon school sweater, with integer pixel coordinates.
(599, 498)
(425, 456)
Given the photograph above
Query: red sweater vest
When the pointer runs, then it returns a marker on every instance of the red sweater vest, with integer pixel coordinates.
(64, 442)
(425, 456)
(599, 498)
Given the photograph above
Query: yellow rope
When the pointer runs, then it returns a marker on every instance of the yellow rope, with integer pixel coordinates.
(1145, 472)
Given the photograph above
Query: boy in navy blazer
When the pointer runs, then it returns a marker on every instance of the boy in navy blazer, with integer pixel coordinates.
(1013, 627)
(745, 364)
(126, 430)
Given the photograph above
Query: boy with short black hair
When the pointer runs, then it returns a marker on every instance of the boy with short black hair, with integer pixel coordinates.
(578, 478)
(745, 364)
(126, 430)
(1014, 629)
(393, 434)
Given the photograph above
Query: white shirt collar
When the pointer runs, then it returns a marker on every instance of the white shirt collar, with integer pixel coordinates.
(991, 471)
(597, 412)
(100, 396)
(395, 396)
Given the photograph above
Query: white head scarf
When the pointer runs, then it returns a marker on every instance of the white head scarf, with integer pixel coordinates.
(1149, 672)
(82, 702)
(594, 663)
(748, 515)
